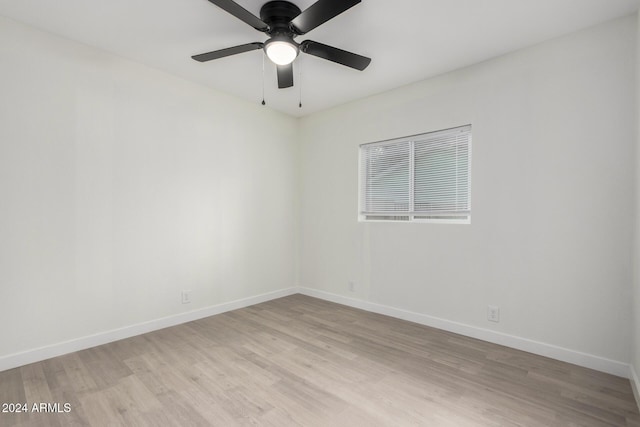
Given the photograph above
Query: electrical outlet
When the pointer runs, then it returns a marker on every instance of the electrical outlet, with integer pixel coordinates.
(493, 313)
(186, 297)
(352, 287)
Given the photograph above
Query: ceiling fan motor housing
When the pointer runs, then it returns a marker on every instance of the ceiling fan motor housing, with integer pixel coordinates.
(278, 15)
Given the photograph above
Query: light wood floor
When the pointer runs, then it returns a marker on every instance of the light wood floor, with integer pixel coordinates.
(302, 361)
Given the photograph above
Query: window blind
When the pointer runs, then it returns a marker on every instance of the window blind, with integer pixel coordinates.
(423, 177)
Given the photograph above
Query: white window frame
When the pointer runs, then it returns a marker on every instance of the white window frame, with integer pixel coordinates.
(411, 216)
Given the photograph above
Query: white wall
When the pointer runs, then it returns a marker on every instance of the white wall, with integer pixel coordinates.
(635, 327)
(120, 186)
(552, 196)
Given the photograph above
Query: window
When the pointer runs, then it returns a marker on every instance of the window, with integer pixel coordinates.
(425, 177)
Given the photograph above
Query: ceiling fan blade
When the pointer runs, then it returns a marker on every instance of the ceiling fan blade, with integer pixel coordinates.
(334, 54)
(204, 57)
(241, 13)
(319, 13)
(285, 76)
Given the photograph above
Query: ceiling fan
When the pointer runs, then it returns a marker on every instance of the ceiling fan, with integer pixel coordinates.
(283, 21)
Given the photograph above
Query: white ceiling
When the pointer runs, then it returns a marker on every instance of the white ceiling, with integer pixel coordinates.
(408, 40)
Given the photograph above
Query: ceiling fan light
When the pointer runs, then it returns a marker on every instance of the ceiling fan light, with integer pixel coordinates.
(281, 52)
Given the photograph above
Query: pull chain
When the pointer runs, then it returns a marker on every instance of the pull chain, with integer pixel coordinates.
(263, 103)
(299, 83)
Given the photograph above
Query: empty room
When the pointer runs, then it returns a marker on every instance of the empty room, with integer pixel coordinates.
(319, 213)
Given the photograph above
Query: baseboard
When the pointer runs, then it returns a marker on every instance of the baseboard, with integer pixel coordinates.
(30, 356)
(559, 353)
(548, 350)
(635, 384)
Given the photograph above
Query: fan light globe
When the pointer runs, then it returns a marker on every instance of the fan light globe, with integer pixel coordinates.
(281, 52)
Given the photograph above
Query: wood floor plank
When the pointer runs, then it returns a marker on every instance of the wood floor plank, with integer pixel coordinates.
(301, 361)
